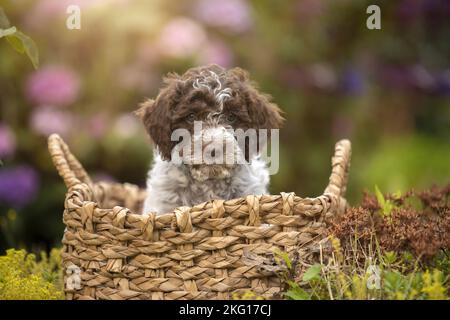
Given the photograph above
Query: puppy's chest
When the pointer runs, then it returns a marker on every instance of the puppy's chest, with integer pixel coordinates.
(197, 192)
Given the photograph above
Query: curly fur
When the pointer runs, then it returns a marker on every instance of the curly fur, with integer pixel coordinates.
(214, 96)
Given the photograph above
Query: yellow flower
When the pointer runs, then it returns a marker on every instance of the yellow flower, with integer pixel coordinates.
(433, 285)
(12, 215)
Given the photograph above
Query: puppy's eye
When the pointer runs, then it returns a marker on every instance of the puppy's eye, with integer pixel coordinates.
(191, 117)
(231, 118)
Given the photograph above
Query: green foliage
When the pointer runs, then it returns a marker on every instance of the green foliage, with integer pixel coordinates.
(18, 40)
(312, 273)
(295, 292)
(398, 278)
(22, 277)
(281, 256)
(363, 270)
(390, 257)
(386, 205)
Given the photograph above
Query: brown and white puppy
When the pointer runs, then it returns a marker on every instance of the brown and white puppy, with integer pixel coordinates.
(210, 104)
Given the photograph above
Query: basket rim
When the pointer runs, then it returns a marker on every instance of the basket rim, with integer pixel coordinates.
(262, 206)
(80, 187)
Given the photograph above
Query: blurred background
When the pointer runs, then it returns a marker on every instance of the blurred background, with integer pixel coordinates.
(387, 90)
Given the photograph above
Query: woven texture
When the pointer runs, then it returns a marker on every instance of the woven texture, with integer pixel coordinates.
(208, 251)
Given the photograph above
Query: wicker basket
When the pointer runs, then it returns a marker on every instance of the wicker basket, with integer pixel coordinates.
(204, 252)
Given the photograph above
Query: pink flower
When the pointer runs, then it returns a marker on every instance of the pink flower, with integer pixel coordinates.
(181, 37)
(232, 15)
(97, 125)
(137, 77)
(146, 54)
(217, 52)
(7, 141)
(47, 120)
(322, 76)
(53, 85)
(308, 10)
(126, 126)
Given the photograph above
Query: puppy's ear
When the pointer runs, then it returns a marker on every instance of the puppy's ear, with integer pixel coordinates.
(143, 106)
(155, 116)
(263, 113)
(240, 74)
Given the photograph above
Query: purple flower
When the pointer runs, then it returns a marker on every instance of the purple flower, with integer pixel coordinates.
(408, 10)
(352, 82)
(407, 78)
(181, 37)
(232, 15)
(18, 186)
(436, 9)
(421, 78)
(7, 141)
(53, 85)
(394, 77)
(443, 83)
(217, 52)
(46, 121)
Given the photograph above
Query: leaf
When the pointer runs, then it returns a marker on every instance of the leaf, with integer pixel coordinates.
(4, 22)
(16, 43)
(380, 197)
(7, 32)
(390, 257)
(397, 195)
(284, 256)
(296, 293)
(386, 205)
(299, 294)
(393, 281)
(24, 44)
(312, 272)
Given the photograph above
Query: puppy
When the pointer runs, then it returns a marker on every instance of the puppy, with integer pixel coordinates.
(206, 107)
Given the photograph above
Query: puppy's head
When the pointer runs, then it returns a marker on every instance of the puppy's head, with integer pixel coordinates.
(210, 103)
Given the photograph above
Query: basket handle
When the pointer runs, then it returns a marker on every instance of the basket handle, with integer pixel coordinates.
(340, 164)
(69, 168)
